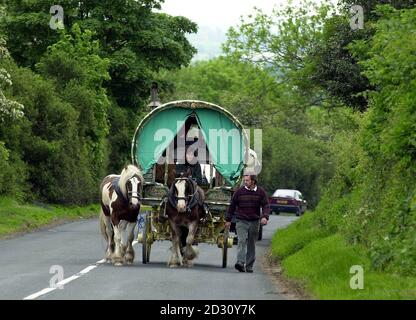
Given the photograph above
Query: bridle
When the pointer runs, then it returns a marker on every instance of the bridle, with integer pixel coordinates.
(131, 194)
(188, 198)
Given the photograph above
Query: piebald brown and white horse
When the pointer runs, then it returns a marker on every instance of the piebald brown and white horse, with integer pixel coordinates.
(184, 210)
(120, 206)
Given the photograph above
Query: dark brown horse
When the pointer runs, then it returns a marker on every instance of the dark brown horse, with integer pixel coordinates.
(120, 206)
(184, 210)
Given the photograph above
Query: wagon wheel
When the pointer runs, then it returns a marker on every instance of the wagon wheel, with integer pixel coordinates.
(146, 244)
(225, 248)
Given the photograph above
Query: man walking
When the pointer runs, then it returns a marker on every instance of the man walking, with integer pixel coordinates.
(246, 204)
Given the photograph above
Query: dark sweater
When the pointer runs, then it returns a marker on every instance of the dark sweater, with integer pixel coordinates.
(246, 205)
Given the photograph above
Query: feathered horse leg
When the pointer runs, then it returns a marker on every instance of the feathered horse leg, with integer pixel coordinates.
(175, 258)
(190, 253)
(108, 234)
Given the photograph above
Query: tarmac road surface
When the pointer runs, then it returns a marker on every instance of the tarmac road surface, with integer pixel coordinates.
(71, 255)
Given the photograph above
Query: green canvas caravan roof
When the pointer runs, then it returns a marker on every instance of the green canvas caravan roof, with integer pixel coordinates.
(223, 134)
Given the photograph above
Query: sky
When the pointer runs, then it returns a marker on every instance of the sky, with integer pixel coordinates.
(214, 18)
(220, 13)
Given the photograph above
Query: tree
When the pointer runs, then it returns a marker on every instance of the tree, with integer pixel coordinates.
(371, 198)
(12, 170)
(295, 142)
(79, 74)
(246, 90)
(62, 136)
(45, 141)
(137, 40)
(336, 70)
(370, 6)
(8, 109)
(282, 42)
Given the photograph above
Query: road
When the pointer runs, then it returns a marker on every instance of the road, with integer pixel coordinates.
(31, 263)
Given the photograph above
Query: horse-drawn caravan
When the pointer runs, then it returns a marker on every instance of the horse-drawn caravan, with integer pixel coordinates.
(192, 156)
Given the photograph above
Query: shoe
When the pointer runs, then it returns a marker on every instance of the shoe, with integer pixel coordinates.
(249, 270)
(239, 267)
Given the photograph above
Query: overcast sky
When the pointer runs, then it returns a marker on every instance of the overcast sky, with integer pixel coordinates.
(219, 13)
(214, 17)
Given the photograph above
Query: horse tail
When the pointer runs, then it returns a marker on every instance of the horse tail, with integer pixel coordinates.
(102, 225)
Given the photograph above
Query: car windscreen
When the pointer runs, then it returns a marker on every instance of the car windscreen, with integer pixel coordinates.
(284, 193)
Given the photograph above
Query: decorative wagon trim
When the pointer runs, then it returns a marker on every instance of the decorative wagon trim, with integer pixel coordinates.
(217, 203)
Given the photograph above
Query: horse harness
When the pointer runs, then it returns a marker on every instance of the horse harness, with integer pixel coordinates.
(191, 200)
(120, 194)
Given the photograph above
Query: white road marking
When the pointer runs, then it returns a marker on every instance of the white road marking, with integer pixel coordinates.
(88, 269)
(38, 294)
(68, 280)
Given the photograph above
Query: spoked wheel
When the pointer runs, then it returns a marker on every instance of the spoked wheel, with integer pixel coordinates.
(147, 244)
(225, 248)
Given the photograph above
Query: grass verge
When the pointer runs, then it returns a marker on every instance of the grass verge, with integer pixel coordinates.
(18, 218)
(321, 264)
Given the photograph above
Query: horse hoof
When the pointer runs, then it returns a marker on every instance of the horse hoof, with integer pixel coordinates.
(129, 263)
(188, 264)
(118, 264)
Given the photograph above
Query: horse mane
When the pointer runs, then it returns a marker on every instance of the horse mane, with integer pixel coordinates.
(128, 172)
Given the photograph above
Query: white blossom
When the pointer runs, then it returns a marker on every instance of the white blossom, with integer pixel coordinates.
(8, 108)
